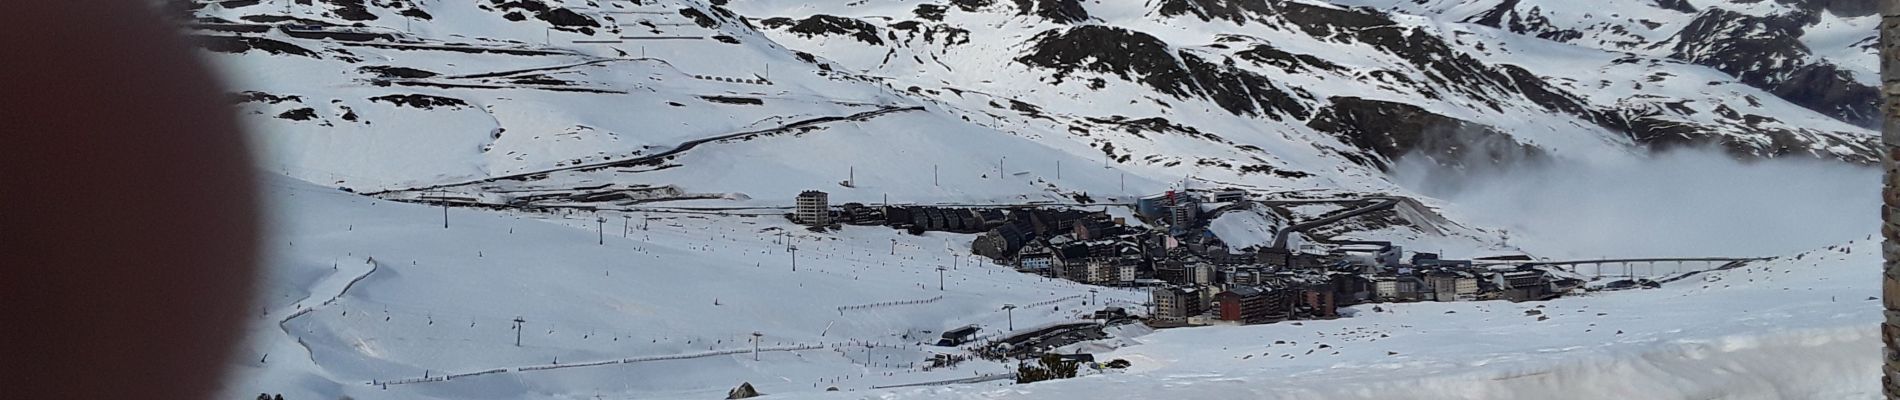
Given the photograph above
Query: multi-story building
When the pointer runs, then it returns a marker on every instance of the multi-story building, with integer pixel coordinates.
(1127, 270)
(1385, 288)
(1184, 214)
(1176, 304)
(1319, 300)
(1451, 285)
(1103, 270)
(1525, 285)
(1000, 243)
(1201, 273)
(1037, 258)
(814, 208)
(1255, 304)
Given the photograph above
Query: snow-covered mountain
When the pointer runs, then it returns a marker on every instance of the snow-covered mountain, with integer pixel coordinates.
(630, 105)
(1270, 94)
(1334, 77)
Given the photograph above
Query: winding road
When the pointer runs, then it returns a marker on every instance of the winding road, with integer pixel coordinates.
(681, 148)
(1381, 203)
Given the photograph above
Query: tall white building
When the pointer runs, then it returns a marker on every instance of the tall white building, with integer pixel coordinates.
(814, 208)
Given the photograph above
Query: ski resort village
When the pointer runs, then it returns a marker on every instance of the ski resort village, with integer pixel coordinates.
(1052, 199)
(1219, 257)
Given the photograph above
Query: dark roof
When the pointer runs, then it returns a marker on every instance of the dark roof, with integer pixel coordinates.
(1247, 291)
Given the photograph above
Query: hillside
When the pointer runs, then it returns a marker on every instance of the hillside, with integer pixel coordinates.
(363, 292)
(690, 125)
(1267, 95)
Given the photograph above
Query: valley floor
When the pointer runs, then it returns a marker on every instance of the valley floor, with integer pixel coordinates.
(375, 299)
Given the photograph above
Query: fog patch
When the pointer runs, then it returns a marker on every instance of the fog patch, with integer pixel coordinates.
(1688, 203)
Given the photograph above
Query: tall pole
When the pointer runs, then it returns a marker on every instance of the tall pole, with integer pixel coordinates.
(794, 250)
(518, 322)
(443, 197)
(755, 345)
(1058, 169)
(626, 225)
(600, 229)
(940, 278)
(1890, 210)
(933, 176)
(1008, 312)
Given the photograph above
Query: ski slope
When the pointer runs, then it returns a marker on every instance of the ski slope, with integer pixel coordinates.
(373, 299)
(669, 311)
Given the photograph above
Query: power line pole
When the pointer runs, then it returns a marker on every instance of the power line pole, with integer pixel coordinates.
(444, 198)
(756, 337)
(518, 322)
(1008, 310)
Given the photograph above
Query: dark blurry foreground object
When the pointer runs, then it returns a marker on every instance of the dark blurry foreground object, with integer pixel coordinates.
(1890, 202)
(127, 215)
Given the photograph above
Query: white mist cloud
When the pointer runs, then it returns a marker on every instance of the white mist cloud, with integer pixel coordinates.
(1678, 204)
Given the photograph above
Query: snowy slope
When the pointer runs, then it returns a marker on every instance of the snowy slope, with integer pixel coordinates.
(542, 103)
(393, 295)
(1240, 76)
(1818, 54)
(520, 105)
(440, 301)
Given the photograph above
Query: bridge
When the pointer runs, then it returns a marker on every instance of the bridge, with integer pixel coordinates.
(1629, 265)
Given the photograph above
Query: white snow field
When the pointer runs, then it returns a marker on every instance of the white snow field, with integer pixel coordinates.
(438, 301)
(669, 311)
